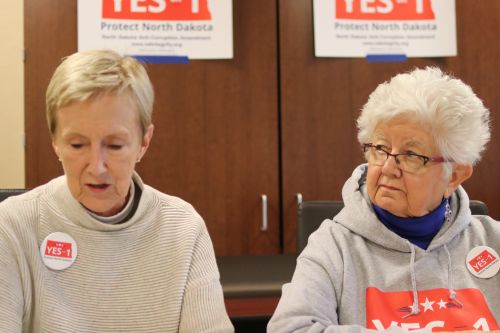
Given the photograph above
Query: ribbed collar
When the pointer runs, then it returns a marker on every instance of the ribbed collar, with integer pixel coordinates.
(418, 230)
(61, 199)
(122, 214)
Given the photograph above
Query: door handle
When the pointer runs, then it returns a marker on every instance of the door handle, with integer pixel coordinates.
(263, 226)
(299, 199)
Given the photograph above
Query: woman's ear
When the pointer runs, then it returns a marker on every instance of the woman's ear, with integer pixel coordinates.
(146, 140)
(460, 173)
(56, 149)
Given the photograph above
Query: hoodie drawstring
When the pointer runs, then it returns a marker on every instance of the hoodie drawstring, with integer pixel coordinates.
(453, 294)
(414, 309)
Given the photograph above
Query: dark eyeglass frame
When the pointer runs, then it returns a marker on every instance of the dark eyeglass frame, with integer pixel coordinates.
(425, 159)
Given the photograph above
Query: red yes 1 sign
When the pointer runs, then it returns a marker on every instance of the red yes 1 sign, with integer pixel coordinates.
(156, 10)
(384, 9)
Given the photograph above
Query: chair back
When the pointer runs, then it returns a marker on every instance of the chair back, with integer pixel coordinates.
(310, 216)
(5, 193)
(478, 207)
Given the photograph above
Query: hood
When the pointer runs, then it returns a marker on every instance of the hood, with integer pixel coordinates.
(358, 216)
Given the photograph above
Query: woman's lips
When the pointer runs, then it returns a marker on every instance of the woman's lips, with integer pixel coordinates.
(388, 187)
(97, 188)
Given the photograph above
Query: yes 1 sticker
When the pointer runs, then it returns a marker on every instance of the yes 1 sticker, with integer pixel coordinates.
(58, 251)
(483, 262)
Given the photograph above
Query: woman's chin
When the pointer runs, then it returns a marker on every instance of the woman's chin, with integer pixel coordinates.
(101, 210)
(391, 206)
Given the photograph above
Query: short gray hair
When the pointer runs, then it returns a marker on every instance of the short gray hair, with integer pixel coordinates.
(86, 75)
(456, 118)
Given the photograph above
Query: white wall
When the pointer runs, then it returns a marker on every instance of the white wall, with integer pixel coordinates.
(11, 95)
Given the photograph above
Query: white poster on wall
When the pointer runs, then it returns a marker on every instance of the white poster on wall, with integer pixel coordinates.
(359, 28)
(197, 29)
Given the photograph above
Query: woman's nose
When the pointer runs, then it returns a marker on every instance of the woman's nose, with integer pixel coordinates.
(97, 163)
(391, 166)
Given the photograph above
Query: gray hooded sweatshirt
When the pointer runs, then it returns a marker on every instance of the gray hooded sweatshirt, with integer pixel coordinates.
(357, 275)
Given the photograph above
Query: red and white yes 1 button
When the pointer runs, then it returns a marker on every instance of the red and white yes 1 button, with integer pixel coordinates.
(58, 251)
(483, 262)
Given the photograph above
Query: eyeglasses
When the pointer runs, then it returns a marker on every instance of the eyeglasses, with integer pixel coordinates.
(409, 162)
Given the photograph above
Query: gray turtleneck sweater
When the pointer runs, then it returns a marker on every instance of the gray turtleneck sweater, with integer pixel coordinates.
(355, 274)
(156, 272)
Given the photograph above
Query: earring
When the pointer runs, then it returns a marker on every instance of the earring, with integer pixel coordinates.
(138, 160)
(448, 212)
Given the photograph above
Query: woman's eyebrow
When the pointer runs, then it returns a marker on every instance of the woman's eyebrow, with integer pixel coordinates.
(379, 136)
(414, 144)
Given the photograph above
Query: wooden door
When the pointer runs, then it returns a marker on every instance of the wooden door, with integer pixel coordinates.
(321, 98)
(216, 123)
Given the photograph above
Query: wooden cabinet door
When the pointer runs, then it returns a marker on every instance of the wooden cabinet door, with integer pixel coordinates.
(216, 123)
(321, 99)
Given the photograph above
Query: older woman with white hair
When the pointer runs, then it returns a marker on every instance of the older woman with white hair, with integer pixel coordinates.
(405, 252)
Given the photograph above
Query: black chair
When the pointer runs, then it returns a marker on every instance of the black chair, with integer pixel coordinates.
(5, 193)
(312, 213)
(310, 216)
(478, 207)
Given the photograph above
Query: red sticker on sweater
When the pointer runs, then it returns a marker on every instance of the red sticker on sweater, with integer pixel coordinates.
(482, 261)
(58, 251)
(437, 312)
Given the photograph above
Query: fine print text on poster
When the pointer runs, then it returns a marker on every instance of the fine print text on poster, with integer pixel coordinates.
(357, 28)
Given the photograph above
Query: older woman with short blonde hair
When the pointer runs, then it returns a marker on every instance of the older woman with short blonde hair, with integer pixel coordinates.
(97, 250)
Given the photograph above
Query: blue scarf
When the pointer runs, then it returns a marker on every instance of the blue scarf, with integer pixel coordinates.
(418, 230)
